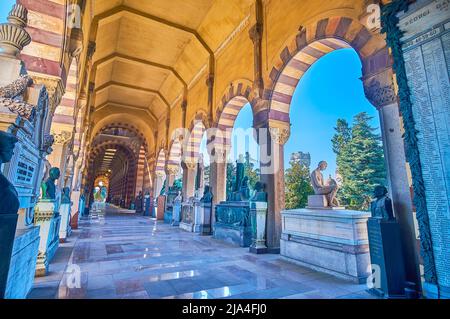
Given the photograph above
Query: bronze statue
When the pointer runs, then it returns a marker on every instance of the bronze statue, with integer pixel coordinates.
(260, 193)
(240, 173)
(207, 195)
(65, 198)
(321, 187)
(10, 202)
(244, 190)
(48, 187)
(381, 207)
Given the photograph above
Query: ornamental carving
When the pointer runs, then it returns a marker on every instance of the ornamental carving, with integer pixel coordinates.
(233, 216)
(62, 138)
(380, 95)
(16, 88)
(13, 37)
(280, 135)
(22, 109)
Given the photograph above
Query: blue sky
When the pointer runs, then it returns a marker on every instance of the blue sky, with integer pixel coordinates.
(5, 7)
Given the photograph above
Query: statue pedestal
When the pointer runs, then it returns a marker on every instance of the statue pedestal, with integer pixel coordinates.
(8, 224)
(330, 241)
(176, 217)
(203, 223)
(160, 211)
(317, 201)
(386, 253)
(23, 263)
(46, 216)
(233, 223)
(64, 229)
(258, 214)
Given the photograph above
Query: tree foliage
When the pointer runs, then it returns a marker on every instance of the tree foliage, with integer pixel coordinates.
(298, 185)
(360, 161)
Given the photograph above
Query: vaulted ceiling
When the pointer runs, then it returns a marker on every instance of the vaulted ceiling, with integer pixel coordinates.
(149, 52)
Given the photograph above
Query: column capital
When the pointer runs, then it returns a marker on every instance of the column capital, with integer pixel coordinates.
(380, 88)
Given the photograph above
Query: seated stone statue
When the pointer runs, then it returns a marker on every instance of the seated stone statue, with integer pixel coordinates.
(381, 207)
(48, 187)
(10, 202)
(207, 195)
(329, 189)
(260, 193)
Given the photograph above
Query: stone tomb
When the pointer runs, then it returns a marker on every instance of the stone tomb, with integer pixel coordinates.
(233, 224)
(23, 110)
(188, 215)
(331, 241)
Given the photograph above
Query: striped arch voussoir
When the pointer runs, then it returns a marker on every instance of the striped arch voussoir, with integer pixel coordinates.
(309, 45)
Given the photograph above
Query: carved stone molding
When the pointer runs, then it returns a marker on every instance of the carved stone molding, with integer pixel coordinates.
(62, 137)
(280, 135)
(380, 89)
(22, 109)
(17, 87)
(171, 170)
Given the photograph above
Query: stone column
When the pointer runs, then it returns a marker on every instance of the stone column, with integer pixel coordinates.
(271, 142)
(218, 180)
(398, 185)
(189, 170)
(380, 91)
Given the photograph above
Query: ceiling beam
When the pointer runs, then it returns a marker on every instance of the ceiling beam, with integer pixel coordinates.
(116, 56)
(144, 109)
(133, 87)
(124, 8)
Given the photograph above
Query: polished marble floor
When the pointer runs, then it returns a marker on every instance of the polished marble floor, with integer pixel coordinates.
(117, 255)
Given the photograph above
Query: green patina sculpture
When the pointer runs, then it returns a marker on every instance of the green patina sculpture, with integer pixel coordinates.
(381, 207)
(177, 185)
(207, 195)
(260, 193)
(10, 202)
(48, 187)
(65, 197)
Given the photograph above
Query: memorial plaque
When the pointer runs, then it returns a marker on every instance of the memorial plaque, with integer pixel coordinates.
(426, 51)
(386, 253)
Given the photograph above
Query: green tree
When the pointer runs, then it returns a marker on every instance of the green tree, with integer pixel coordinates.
(360, 161)
(298, 185)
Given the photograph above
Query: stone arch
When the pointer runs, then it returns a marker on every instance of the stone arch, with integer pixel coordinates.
(226, 120)
(312, 43)
(237, 89)
(124, 119)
